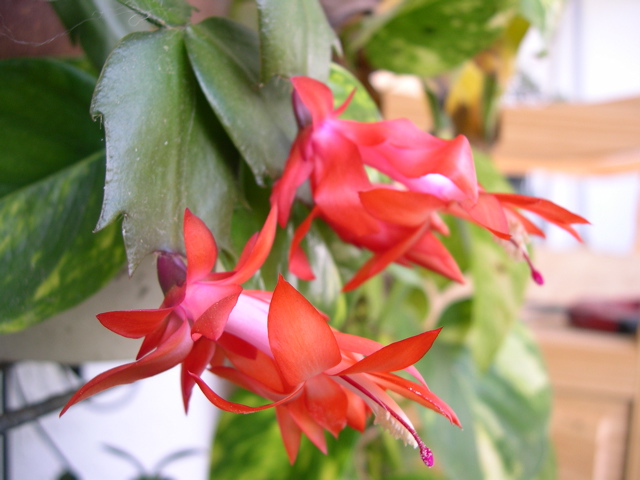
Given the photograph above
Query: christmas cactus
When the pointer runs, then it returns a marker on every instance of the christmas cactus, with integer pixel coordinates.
(306, 248)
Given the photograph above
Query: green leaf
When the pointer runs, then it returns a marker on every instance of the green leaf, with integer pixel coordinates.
(504, 412)
(258, 118)
(49, 256)
(295, 39)
(44, 120)
(97, 25)
(499, 283)
(499, 280)
(542, 14)
(362, 107)
(162, 12)
(165, 148)
(429, 37)
(449, 371)
(405, 304)
(249, 447)
(52, 171)
(514, 408)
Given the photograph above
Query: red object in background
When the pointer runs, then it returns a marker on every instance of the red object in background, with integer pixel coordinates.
(610, 315)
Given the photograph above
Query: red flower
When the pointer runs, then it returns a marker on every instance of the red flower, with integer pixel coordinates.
(395, 221)
(500, 213)
(320, 379)
(332, 153)
(198, 305)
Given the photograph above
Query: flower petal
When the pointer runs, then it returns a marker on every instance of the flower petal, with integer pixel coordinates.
(337, 179)
(200, 246)
(195, 363)
(134, 323)
(380, 260)
(364, 134)
(416, 393)
(212, 322)
(400, 207)
(366, 346)
(316, 96)
(327, 403)
(296, 171)
(544, 208)
(166, 356)
(411, 152)
(357, 411)
(254, 256)
(298, 261)
(302, 343)
(298, 410)
(430, 253)
(395, 356)
(487, 212)
(260, 368)
(530, 227)
(234, 407)
(290, 432)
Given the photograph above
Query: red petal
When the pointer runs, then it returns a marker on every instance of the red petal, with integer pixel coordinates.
(233, 407)
(489, 213)
(262, 369)
(134, 323)
(160, 335)
(298, 261)
(212, 322)
(395, 356)
(298, 410)
(197, 360)
(530, 227)
(364, 134)
(237, 345)
(366, 346)
(400, 207)
(544, 208)
(338, 178)
(290, 431)
(166, 356)
(200, 246)
(380, 260)
(253, 259)
(302, 343)
(326, 402)
(340, 110)
(416, 393)
(316, 96)
(430, 253)
(414, 153)
(357, 411)
(297, 169)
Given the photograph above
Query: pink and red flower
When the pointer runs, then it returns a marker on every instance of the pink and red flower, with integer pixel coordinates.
(395, 221)
(276, 345)
(197, 307)
(320, 379)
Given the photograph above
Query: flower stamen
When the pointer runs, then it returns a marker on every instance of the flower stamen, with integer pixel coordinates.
(391, 419)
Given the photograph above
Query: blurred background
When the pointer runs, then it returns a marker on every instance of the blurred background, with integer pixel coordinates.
(569, 131)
